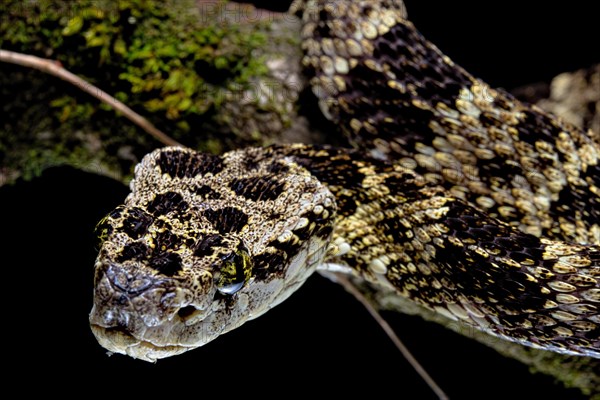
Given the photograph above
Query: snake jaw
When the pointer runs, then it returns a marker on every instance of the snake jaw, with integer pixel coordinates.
(118, 341)
(128, 321)
(141, 315)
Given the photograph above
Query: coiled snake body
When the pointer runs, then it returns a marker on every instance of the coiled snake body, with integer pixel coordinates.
(460, 198)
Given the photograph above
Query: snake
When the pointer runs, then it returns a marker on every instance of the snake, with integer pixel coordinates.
(451, 193)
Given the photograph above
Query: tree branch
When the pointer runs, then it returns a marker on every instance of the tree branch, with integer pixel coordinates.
(54, 68)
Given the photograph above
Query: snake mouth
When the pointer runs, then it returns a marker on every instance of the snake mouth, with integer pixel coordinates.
(119, 340)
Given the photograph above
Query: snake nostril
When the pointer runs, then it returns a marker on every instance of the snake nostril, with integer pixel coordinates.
(188, 313)
(127, 281)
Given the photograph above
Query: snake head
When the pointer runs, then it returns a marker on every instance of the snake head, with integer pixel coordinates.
(188, 258)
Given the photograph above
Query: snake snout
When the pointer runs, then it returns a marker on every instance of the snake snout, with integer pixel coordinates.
(141, 315)
(114, 290)
(123, 297)
(127, 280)
(130, 300)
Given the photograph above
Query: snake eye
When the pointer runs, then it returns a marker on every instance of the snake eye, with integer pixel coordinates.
(102, 230)
(235, 272)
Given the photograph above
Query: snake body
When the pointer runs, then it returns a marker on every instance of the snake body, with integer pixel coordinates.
(455, 195)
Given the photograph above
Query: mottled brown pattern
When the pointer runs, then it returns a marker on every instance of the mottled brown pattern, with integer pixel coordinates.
(396, 95)
(197, 250)
(457, 196)
(394, 92)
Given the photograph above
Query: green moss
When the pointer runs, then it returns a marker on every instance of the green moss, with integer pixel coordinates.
(164, 59)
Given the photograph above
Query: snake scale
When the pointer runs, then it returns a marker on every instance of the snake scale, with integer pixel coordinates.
(454, 194)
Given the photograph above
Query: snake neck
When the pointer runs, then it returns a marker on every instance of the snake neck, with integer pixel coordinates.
(395, 228)
(397, 95)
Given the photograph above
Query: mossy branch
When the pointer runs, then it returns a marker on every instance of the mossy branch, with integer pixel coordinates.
(54, 68)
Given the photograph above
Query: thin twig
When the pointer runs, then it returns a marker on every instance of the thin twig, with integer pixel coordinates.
(350, 288)
(54, 68)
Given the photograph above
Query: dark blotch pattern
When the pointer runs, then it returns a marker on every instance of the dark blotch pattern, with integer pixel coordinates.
(278, 168)
(227, 219)
(267, 264)
(391, 112)
(166, 263)
(136, 223)
(183, 164)
(537, 126)
(205, 246)
(475, 271)
(324, 232)
(405, 184)
(338, 170)
(133, 251)
(258, 188)
(166, 202)
(167, 240)
(575, 201)
(116, 213)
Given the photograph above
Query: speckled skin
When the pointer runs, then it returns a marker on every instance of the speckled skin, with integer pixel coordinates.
(394, 92)
(461, 198)
(202, 244)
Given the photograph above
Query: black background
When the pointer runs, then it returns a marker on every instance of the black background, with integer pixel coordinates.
(320, 341)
